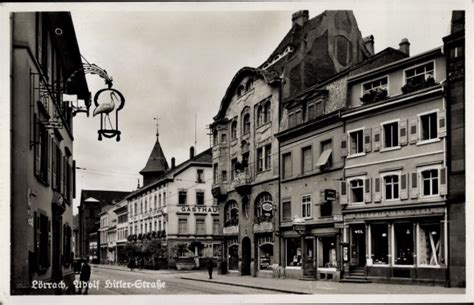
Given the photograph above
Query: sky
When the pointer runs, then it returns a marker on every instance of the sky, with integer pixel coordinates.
(176, 65)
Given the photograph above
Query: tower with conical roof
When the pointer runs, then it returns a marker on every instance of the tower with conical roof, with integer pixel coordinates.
(156, 164)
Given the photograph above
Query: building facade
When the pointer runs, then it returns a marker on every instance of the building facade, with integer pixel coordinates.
(122, 231)
(42, 145)
(108, 235)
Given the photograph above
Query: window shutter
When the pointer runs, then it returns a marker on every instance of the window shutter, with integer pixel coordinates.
(36, 145)
(377, 195)
(376, 138)
(54, 165)
(321, 196)
(368, 192)
(343, 192)
(403, 133)
(73, 178)
(404, 187)
(414, 185)
(36, 238)
(442, 124)
(443, 185)
(48, 158)
(343, 145)
(413, 132)
(367, 136)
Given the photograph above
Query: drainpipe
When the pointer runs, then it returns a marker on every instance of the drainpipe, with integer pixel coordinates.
(280, 256)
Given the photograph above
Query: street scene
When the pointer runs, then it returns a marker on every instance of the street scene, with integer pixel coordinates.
(303, 152)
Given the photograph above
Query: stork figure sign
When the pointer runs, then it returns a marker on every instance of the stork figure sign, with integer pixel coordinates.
(105, 108)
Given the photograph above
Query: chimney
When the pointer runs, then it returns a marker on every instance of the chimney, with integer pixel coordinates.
(173, 162)
(369, 44)
(191, 152)
(405, 46)
(300, 17)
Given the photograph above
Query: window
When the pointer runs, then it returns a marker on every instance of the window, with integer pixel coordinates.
(41, 148)
(260, 159)
(431, 244)
(326, 209)
(164, 199)
(311, 111)
(404, 243)
(224, 176)
(216, 171)
(295, 118)
(200, 227)
(429, 126)
(246, 206)
(240, 90)
(260, 115)
(42, 241)
(307, 160)
(245, 160)
(390, 134)
(199, 197)
(381, 83)
(325, 159)
(379, 243)
(391, 187)
(233, 130)
(357, 142)
(306, 206)
(155, 202)
(231, 216)
(430, 182)
(357, 191)
(233, 171)
(327, 255)
(268, 156)
(216, 227)
(286, 211)
(287, 165)
(456, 52)
(215, 137)
(246, 124)
(183, 226)
(182, 197)
(419, 74)
(223, 138)
(200, 176)
(267, 112)
(293, 252)
(264, 207)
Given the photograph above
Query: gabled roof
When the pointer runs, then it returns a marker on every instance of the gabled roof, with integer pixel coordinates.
(269, 77)
(103, 197)
(156, 161)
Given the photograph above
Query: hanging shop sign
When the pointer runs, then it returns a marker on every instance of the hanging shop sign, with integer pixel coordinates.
(267, 206)
(329, 195)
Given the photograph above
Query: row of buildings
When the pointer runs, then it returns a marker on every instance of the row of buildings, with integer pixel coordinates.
(332, 161)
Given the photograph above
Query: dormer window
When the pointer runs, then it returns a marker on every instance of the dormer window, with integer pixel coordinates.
(419, 77)
(375, 90)
(240, 90)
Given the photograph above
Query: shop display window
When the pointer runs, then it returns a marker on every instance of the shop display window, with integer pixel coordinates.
(293, 252)
(404, 243)
(327, 252)
(379, 242)
(431, 245)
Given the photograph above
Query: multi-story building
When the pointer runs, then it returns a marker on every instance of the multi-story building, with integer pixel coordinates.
(91, 205)
(122, 230)
(246, 151)
(45, 53)
(394, 183)
(108, 235)
(456, 146)
(175, 204)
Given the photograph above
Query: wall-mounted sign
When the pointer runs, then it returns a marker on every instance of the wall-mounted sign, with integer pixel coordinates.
(329, 195)
(267, 206)
(199, 209)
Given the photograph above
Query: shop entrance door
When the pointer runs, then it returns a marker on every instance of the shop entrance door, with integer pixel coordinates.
(246, 256)
(358, 245)
(309, 257)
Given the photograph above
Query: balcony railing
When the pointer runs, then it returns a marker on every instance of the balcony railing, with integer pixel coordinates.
(242, 182)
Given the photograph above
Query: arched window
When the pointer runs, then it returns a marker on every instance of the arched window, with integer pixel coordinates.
(215, 137)
(260, 115)
(264, 207)
(233, 130)
(240, 90)
(246, 123)
(231, 216)
(266, 112)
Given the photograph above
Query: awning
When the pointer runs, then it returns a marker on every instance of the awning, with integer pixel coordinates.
(323, 159)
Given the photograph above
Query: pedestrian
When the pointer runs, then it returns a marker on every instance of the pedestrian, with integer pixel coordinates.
(210, 266)
(142, 263)
(131, 263)
(85, 275)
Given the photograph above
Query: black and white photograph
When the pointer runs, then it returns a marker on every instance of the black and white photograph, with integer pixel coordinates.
(267, 152)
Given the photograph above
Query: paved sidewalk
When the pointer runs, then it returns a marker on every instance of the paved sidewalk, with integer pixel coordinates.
(319, 287)
(148, 271)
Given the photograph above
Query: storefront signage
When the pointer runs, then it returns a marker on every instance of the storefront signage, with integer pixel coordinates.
(329, 195)
(267, 206)
(324, 231)
(199, 209)
(231, 230)
(397, 213)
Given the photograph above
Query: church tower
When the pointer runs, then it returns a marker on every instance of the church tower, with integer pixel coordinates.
(156, 164)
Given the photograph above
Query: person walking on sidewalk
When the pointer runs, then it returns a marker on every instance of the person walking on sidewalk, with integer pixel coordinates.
(85, 275)
(131, 263)
(210, 266)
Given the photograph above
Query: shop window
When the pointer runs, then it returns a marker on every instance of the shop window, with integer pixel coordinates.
(307, 160)
(357, 142)
(390, 135)
(327, 252)
(233, 130)
(286, 211)
(392, 187)
(293, 252)
(379, 242)
(265, 257)
(182, 197)
(183, 226)
(431, 245)
(357, 191)
(430, 182)
(428, 126)
(419, 74)
(264, 207)
(404, 244)
(287, 166)
(199, 198)
(200, 227)
(306, 206)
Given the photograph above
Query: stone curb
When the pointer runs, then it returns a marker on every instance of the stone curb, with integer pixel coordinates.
(244, 285)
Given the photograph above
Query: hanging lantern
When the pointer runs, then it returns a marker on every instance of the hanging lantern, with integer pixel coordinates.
(108, 101)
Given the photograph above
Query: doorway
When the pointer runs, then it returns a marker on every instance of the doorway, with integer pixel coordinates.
(358, 250)
(246, 256)
(309, 257)
(56, 274)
